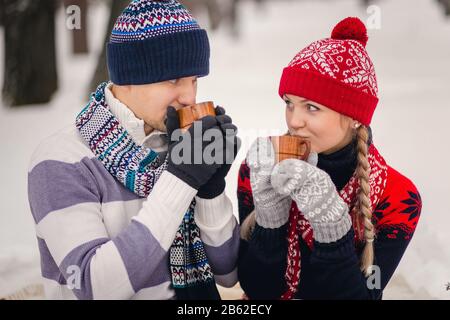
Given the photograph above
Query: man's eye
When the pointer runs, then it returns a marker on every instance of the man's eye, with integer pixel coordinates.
(174, 81)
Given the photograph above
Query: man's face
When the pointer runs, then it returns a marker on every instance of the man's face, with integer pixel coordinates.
(149, 102)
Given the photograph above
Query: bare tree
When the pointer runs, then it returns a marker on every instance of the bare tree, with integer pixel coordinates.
(79, 36)
(234, 17)
(101, 72)
(220, 13)
(30, 75)
(446, 6)
(2, 10)
(212, 8)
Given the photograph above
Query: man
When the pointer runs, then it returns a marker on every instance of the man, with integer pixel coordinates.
(117, 215)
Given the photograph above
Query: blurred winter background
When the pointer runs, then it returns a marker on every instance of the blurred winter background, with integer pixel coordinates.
(47, 70)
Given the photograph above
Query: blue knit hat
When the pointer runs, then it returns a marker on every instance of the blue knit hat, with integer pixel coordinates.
(154, 41)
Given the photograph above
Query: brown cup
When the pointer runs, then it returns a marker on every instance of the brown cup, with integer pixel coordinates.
(290, 147)
(195, 112)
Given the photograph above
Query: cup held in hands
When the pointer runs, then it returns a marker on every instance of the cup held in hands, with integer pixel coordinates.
(290, 147)
(195, 112)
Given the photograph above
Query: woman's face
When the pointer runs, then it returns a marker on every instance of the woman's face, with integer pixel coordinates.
(327, 130)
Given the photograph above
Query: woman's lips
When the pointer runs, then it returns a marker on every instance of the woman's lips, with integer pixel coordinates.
(299, 135)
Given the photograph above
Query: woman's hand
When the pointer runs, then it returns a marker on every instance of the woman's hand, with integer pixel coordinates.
(316, 197)
(271, 207)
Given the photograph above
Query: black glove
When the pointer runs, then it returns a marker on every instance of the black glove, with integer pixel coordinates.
(193, 174)
(172, 123)
(216, 185)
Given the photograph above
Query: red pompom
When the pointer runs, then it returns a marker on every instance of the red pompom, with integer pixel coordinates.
(350, 28)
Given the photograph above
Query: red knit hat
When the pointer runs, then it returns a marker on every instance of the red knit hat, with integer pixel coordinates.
(336, 72)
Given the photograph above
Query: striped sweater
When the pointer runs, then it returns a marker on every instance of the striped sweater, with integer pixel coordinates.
(98, 240)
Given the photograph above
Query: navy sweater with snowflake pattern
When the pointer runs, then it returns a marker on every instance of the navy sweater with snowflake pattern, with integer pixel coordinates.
(329, 271)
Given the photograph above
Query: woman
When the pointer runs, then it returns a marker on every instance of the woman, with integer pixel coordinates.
(334, 226)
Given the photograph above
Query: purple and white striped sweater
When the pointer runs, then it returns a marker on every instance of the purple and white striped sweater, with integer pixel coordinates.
(99, 236)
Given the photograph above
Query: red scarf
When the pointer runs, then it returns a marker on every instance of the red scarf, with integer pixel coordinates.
(298, 225)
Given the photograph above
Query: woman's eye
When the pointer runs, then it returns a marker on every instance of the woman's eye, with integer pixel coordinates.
(312, 107)
(289, 104)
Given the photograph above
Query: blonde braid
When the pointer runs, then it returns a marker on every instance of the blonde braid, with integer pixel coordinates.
(247, 226)
(363, 201)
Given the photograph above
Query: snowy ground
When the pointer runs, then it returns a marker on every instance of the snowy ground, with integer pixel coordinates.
(411, 53)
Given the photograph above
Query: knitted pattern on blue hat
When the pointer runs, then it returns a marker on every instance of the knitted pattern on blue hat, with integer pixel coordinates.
(154, 41)
(146, 19)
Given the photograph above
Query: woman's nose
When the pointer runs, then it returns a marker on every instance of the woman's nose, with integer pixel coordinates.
(297, 119)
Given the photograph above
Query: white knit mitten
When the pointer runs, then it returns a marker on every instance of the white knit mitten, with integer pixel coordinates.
(316, 197)
(271, 207)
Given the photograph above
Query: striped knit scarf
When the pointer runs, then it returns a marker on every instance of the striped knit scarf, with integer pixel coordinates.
(138, 168)
(299, 226)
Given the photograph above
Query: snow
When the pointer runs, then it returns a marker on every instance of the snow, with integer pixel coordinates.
(410, 52)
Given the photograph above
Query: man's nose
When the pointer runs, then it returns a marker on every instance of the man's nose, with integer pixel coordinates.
(187, 94)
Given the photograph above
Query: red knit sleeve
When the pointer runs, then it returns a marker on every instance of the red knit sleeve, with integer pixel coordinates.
(398, 212)
(338, 276)
(244, 192)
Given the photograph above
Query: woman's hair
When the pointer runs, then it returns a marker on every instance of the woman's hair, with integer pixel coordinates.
(364, 212)
(247, 226)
